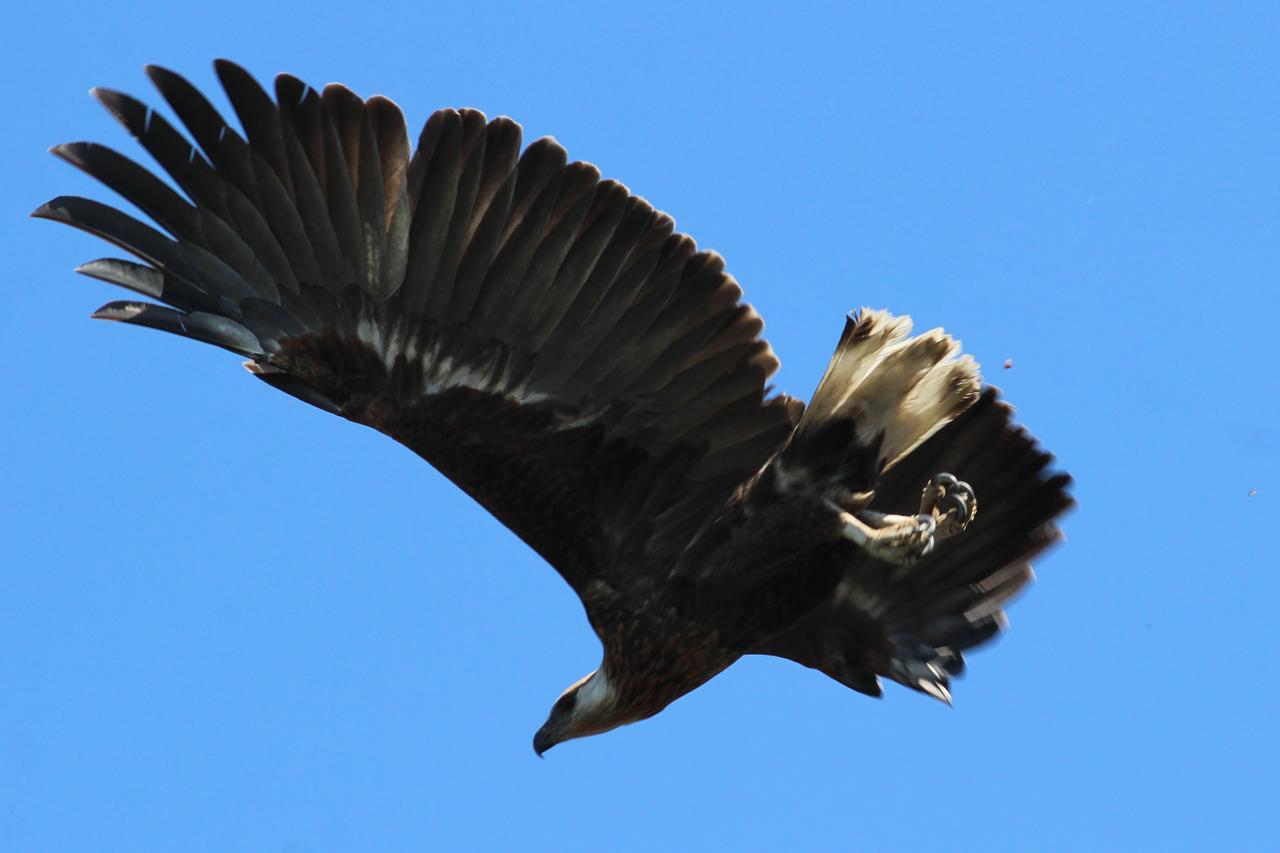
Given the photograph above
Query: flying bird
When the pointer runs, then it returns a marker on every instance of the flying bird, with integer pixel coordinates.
(549, 342)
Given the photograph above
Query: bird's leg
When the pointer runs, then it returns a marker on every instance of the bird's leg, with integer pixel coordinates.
(946, 508)
(899, 539)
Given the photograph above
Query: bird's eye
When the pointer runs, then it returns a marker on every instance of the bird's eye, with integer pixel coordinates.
(564, 705)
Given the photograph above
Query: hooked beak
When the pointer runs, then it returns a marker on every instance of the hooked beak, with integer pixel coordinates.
(543, 740)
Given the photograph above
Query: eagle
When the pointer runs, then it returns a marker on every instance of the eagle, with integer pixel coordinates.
(549, 342)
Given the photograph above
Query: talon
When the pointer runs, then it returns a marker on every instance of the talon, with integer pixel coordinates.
(938, 487)
(954, 502)
(944, 481)
(946, 508)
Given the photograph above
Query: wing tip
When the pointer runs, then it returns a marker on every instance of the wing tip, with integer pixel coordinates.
(53, 210)
(119, 311)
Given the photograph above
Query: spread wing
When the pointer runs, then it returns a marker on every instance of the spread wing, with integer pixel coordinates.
(540, 335)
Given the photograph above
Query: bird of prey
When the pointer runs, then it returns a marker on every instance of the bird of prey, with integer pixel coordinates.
(549, 342)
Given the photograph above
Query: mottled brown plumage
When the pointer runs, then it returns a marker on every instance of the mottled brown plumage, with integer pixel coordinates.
(547, 341)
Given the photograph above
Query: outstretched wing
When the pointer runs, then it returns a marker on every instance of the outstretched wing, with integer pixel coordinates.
(540, 335)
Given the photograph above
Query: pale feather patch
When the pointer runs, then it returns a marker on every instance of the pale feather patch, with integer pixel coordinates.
(904, 388)
(594, 694)
(440, 371)
(854, 362)
(597, 690)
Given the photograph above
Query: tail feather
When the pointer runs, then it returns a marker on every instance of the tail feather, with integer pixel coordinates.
(866, 336)
(883, 393)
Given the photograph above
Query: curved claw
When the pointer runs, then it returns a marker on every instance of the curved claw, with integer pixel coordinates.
(953, 502)
(930, 542)
(946, 482)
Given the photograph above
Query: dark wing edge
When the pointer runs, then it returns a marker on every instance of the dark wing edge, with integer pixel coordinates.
(540, 335)
(912, 624)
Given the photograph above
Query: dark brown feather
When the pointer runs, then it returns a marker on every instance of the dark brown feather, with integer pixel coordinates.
(542, 337)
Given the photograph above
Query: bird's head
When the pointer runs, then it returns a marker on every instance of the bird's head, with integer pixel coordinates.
(588, 707)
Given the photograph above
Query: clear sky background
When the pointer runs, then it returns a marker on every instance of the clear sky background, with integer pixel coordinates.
(230, 621)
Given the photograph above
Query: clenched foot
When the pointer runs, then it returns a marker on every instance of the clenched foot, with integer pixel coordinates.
(950, 502)
(946, 508)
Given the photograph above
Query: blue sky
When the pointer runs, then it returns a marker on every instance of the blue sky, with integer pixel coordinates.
(229, 621)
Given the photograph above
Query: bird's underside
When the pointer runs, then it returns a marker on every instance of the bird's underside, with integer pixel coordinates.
(547, 340)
